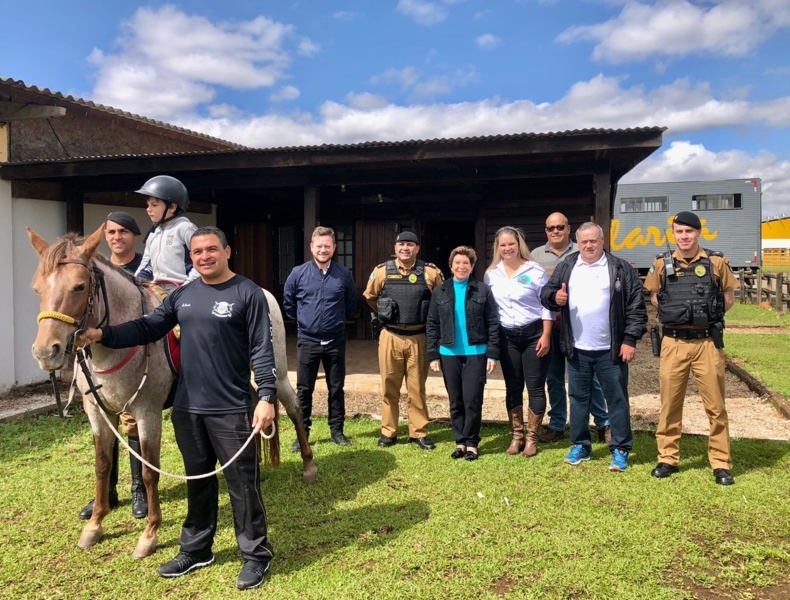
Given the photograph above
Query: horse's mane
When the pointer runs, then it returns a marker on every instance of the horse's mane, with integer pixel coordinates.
(66, 247)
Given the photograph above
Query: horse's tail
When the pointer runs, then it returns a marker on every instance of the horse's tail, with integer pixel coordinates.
(271, 449)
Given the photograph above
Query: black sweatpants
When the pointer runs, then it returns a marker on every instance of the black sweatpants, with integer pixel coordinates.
(465, 379)
(203, 440)
(309, 355)
(521, 364)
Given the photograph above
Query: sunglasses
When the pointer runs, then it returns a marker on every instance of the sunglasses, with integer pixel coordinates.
(551, 228)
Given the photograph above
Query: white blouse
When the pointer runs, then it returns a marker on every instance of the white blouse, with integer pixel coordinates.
(518, 297)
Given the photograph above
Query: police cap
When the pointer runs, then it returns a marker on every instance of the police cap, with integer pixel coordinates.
(686, 217)
(407, 236)
(125, 220)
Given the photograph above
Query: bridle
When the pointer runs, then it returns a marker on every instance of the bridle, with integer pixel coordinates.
(96, 284)
(83, 355)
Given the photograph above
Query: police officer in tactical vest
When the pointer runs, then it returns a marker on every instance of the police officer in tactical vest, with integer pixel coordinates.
(399, 292)
(692, 288)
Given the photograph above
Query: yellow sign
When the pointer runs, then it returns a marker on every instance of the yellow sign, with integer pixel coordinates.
(700, 271)
(652, 235)
(412, 278)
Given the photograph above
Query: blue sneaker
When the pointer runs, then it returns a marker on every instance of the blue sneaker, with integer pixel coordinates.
(619, 460)
(577, 454)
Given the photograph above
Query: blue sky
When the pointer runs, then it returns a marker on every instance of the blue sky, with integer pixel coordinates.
(716, 72)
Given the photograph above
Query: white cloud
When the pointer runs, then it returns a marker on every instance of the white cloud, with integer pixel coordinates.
(424, 13)
(423, 88)
(287, 92)
(345, 15)
(487, 41)
(674, 28)
(219, 111)
(169, 62)
(685, 161)
(483, 14)
(308, 47)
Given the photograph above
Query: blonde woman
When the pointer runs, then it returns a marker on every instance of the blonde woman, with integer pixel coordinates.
(525, 334)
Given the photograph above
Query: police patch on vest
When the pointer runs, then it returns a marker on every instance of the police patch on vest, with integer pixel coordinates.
(412, 278)
(523, 279)
(394, 276)
(700, 271)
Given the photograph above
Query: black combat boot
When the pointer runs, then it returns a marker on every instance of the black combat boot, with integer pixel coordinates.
(139, 495)
(87, 512)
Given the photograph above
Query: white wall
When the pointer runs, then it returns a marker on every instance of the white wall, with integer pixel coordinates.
(780, 243)
(7, 293)
(95, 215)
(48, 219)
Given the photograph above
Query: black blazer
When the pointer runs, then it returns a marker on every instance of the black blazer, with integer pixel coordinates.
(482, 318)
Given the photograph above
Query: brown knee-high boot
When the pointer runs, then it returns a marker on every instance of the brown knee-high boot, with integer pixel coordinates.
(533, 423)
(516, 417)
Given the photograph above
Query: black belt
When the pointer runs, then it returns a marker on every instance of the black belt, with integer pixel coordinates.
(687, 334)
(406, 332)
(529, 329)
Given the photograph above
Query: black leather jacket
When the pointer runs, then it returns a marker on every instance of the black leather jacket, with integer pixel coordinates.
(627, 313)
(482, 318)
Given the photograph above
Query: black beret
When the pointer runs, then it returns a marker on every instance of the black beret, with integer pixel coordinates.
(407, 236)
(686, 217)
(125, 220)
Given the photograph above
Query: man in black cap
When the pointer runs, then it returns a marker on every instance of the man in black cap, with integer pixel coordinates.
(692, 289)
(121, 232)
(400, 292)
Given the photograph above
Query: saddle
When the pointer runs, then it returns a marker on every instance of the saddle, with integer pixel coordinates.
(173, 338)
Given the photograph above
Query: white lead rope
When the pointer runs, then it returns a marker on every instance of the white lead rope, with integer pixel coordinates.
(183, 477)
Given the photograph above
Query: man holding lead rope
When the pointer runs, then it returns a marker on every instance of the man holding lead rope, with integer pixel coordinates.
(225, 326)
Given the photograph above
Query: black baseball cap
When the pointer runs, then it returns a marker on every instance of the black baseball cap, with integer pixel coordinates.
(686, 217)
(125, 220)
(407, 236)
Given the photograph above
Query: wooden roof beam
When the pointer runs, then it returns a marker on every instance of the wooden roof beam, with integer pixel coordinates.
(18, 111)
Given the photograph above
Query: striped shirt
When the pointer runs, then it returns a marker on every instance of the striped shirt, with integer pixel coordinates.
(549, 260)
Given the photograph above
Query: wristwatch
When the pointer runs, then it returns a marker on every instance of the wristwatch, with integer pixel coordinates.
(269, 399)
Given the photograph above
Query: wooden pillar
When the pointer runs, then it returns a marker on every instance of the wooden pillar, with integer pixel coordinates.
(603, 203)
(780, 304)
(480, 243)
(759, 286)
(75, 209)
(312, 215)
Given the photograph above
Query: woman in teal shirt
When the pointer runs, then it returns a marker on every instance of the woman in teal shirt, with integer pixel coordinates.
(463, 342)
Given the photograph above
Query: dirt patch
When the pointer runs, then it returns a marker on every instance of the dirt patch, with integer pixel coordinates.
(761, 329)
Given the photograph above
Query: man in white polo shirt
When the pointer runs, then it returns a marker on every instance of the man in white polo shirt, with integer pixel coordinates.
(603, 317)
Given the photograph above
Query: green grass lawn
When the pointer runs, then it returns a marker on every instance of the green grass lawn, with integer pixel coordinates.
(764, 356)
(749, 314)
(404, 523)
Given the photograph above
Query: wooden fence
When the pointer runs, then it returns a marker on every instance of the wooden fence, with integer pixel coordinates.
(757, 287)
(776, 258)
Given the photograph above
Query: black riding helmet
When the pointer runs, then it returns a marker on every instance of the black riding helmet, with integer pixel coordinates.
(168, 189)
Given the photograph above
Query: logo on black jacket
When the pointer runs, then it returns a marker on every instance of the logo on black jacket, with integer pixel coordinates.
(222, 310)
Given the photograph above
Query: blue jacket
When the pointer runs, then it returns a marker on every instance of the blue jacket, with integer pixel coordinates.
(320, 303)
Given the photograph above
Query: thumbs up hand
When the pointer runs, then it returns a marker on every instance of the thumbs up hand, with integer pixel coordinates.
(561, 298)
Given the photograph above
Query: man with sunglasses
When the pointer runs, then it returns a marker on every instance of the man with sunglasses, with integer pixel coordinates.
(558, 247)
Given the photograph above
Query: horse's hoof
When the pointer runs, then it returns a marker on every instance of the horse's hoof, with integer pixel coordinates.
(309, 474)
(90, 537)
(145, 547)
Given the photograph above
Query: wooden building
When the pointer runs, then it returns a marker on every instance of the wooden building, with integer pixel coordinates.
(450, 191)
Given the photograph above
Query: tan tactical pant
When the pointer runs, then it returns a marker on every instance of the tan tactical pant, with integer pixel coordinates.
(403, 356)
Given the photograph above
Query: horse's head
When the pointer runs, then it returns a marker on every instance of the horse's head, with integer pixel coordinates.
(63, 284)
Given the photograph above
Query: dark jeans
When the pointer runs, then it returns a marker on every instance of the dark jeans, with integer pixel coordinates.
(465, 379)
(203, 440)
(582, 368)
(558, 400)
(308, 356)
(521, 364)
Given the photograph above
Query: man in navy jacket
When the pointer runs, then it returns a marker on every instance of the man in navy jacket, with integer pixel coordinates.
(321, 295)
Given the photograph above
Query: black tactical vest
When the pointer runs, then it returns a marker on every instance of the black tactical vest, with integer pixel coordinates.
(405, 299)
(691, 297)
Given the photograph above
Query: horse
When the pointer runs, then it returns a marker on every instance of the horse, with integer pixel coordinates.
(78, 288)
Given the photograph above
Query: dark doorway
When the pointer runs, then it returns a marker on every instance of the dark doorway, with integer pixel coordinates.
(441, 237)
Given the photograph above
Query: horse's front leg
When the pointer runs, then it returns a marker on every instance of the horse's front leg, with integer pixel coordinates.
(103, 442)
(150, 429)
(287, 397)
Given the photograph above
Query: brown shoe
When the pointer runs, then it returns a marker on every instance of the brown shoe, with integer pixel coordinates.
(516, 417)
(533, 423)
(551, 435)
(605, 434)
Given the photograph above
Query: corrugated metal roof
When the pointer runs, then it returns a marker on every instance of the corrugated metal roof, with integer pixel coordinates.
(380, 144)
(21, 85)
